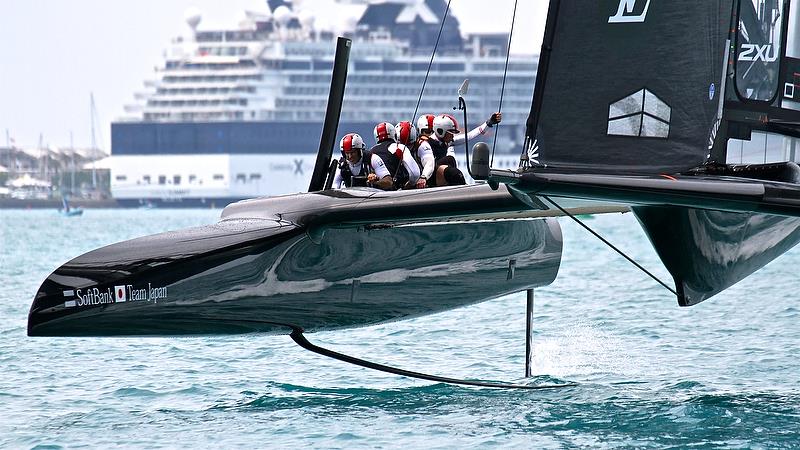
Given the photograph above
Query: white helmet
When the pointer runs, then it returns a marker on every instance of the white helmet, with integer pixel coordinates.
(425, 122)
(351, 142)
(406, 133)
(384, 131)
(444, 123)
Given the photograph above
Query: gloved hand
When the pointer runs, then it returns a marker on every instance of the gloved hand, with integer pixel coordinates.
(398, 152)
(494, 119)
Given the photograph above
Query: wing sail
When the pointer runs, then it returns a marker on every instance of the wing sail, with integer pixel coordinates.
(629, 86)
(652, 104)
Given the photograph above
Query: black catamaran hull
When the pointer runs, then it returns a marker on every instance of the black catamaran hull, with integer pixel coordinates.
(275, 264)
(709, 251)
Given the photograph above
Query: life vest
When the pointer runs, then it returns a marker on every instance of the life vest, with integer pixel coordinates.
(348, 178)
(439, 148)
(394, 165)
(415, 148)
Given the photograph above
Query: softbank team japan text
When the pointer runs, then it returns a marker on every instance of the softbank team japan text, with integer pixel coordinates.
(117, 294)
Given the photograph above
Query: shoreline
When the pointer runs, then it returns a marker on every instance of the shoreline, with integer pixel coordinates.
(16, 203)
(19, 203)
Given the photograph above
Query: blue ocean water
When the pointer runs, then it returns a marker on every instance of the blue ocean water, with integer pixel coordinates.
(723, 374)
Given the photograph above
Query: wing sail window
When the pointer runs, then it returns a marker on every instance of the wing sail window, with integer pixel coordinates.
(758, 49)
(641, 114)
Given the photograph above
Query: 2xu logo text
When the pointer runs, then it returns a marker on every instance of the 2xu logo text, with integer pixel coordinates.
(755, 52)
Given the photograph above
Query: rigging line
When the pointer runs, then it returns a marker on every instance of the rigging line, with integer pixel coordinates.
(435, 46)
(571, 216)
(298, 337)
(503, 88)
(462, 104)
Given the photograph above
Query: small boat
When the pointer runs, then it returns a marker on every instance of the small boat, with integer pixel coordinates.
(67, 210)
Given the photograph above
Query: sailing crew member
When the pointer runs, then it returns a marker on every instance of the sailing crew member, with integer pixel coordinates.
(392, 165)
(407, 135)
(445, 136)
(423, 150)
(354, 163)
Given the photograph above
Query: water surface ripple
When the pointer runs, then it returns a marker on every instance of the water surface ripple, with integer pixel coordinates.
(723, 374)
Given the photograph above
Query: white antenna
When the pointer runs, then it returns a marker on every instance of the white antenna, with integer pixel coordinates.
(72, 172)
(42, 155)
(462, 91)
(92, 114)
(8, 155)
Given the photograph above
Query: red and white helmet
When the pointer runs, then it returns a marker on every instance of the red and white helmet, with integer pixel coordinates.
(425, 122)
(352, 142)
(444, 123)
(384, 131)
(406, 133)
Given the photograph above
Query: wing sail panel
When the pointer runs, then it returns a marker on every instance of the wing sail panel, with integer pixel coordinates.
(630, 86)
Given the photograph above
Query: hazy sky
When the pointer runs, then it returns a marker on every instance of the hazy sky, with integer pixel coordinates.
(54, 53)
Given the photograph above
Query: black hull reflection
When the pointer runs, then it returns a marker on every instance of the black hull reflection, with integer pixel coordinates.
(708, 251)
(268, 275)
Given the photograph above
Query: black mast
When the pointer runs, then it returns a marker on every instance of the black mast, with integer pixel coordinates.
(541, 72)
(335, 97)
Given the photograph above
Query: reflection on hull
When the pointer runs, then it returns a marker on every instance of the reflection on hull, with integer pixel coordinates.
(267, 275)
(709, 251)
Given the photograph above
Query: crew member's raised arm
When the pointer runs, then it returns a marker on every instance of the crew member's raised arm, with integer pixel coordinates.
(493, 120)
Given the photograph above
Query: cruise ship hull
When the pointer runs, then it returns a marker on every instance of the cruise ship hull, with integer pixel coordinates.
(212, 164)
(320, 261)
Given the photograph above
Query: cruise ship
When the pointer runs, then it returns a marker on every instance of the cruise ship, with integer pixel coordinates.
(237, 113)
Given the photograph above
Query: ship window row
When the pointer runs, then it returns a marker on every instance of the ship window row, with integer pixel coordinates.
(444, 67)
(307, 50)
(176, 180)
(193, 116)
(306, 90)
(212, 78)
(415, 79)
(410, 90)
(222, 51)
(367, 104)
(278, 64)
(211, 90)
(218, 66)
(437, 79)
(308, 103)
(220, 36)
(242, 178)
(285, 64)
(388, 104)
(230, 101)
(178, 65)
(512, 67)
